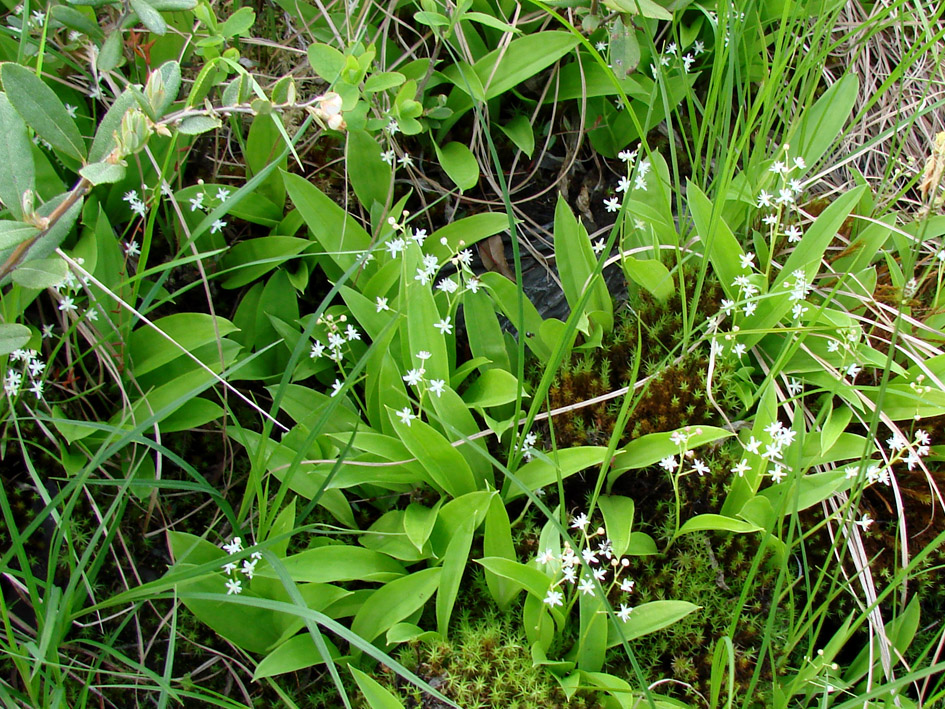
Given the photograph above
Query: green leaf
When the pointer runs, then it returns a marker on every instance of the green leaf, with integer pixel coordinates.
(485, 333)
(445, 465)
(382, 81)
(13, 233)
(326, 61)
(296, 653)
(40, 273)
(150, 350)
(525, 577)
(650, 274)
(418, 523)
(494, 387)
(17, 169)
(501, 70)
(653, 447)
(342, 562)
(538, 473)
(110, 55)
(173, 5)
(13, 336)
(576, 262)
(459, 163)
(592, 638)
(454, 564)
(75, 20)
(338, 233)
(644, 8)
(239, 23)
(505, 296)
(370, 176)
(618, 521)
(463, 233)
(497, 542)
(394, 601)
(101, 173)
(249, 259)
(195, 125)
(519, 131)
(376, 695)
(41, 110)
(149, 17)
(491, 21)
(806, 492)
(719, 523)
(820, 124)
(650, 617)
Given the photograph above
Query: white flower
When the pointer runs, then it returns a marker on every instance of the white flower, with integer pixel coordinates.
(336, 387)
(447, 285)
(229, 567)
(392, 126)
(444, 326)
(627, 585)
(741, 468)
(234, 586)
(546, 557)
(785, 196)
(71, 110)
(91, 315)
(222, 194)
(669, 463)
(623, 185)
(698, 47)
(405, 160)
(612, 204)
(132, 248)
(586, 586)
(95, 92)
(217, 226)
(778, 167)
(381, 304)
(747, 260)
(800, 164)
(249, 568)
(419, 236)
(852, 370)
(750, 308)
(436, 386)
(688, 61)
(47, 331)
(753, 445)
(395, 246)
(777, 473)
(317, 350)
(601, 46)
(413, 377)
(770, 219)
(388, 157)
(739, 349)
(473, 284)
(922, 438)
(670, 48)
(196, 202)
(795, 186)
(589, 556)
(639, 183)
(764, 199)
(624, 612)
(11, 385)
(554, 598)
(67, 304)
(351, 333)
(579, 522)
(234, 547)
(865, 521)
(627, 155)
(798, 310)
(599, 247)
(794, 386)
(699, 467)
(406, 415)
(600, 572)
(793, 233)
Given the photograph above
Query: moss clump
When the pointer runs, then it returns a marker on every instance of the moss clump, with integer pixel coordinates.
(486, 663)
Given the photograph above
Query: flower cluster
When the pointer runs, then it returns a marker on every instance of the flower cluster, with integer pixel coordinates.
(31, 371)
(527, 446)
(779, 438)
(900, 449)
(671, 463)
(784, 196)
(415, 378)
(590, 565)
(234, 584)
(673, 54)
(337, 338)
